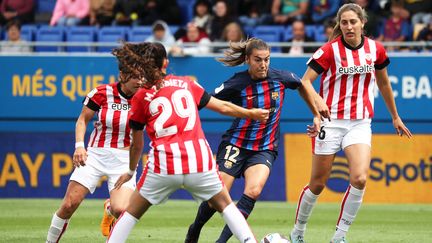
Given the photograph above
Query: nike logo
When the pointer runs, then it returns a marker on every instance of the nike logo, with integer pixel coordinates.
(250, 97)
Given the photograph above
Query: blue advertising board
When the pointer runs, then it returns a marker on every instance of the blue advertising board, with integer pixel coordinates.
(44, 93)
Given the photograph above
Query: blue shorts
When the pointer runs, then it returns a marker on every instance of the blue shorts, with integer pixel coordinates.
(234, 160)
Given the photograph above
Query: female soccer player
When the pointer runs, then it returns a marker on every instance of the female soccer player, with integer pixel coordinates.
(349, 65)
(107, 151)
(180, 156)
(249, 148)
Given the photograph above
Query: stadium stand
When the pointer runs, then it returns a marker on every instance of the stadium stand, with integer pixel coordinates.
(111, 34)
(139, 33)
(80, 34)
(269, 33)
(186, 9)
(49, 34)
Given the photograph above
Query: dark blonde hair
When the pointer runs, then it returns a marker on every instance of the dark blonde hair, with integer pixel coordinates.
(142, 61)
(347, 7)
(238, 51)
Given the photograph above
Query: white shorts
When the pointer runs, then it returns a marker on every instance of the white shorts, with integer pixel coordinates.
(110, 162)
(339, 134)
(156, 188)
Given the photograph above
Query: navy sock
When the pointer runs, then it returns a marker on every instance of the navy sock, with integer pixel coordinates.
(245, 205)
(205, 212)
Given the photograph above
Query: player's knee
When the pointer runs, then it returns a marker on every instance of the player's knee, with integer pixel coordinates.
(358, 181)
(68, 207)
(316, 187)
(254, 192)
(117, 210)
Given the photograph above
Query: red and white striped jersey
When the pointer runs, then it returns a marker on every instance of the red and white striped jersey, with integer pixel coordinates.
(171, 119)
(348, 76)
(111, 130)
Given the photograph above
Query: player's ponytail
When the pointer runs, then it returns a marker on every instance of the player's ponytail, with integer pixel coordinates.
(238, 51)
(347, 7)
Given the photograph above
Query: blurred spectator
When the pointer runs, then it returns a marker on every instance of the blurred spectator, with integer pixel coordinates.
(202, 14)
(193, 35)
(128, 12)
(22, 10)
(371, 27)
(70, 12)
(426, 35)
(232, 33)
(323, 9)
(395, 27)
(298, 39)
(420, 11)
(286, 11)
(166, 10)
(101, 12)
(14, 44)
(329, 25)
(255, 12)
(222, 17)
(162, 34)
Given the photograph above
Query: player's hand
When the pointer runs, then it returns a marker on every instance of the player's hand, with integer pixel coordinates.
(260, 114)
(322, 108)
(400, 127)
(313, 130)
(121, 180)
(79, 157)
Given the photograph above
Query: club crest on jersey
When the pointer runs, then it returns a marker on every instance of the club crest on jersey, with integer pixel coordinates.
(275, 95)
(368, 57)
(228, 164)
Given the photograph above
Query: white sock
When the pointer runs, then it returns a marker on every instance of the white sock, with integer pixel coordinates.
(350, 206)
(122, 228)
(237, 224)
(305, 205)
(57, 228)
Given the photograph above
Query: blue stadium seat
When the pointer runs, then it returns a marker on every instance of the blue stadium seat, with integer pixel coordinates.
(319, 34)
(49, 34)
(111, 34)
(173, 28)
(269, 33)
(139, 33)
(80, 34)
(309, 29)
(45, 5)
(186, 9)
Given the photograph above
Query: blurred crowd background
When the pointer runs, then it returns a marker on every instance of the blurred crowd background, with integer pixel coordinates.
(200, 27)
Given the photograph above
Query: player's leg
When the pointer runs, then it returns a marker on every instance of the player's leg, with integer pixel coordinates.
(255, 176)
(356, 145)
(75, 194)
(230, 168)
(205, 212)
(115, 165)
(152, 189)
(83, 180)
(232, 216)
(321, 168)
(208, 186)
(126, 222)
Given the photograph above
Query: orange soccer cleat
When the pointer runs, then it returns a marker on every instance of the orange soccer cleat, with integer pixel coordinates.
(107, 220)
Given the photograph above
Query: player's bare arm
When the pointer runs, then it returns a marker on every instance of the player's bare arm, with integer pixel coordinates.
(80, 154)
(230, 109)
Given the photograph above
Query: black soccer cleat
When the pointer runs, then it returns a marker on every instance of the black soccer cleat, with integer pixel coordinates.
(192, 235)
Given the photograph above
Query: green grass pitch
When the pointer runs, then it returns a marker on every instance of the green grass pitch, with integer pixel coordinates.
(27, 220)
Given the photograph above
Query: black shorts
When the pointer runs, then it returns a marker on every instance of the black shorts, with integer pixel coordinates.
(234, 160)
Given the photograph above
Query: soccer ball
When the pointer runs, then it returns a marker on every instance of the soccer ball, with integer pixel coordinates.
(274, 238)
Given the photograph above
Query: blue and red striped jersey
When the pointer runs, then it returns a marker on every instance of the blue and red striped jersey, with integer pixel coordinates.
(266, 93)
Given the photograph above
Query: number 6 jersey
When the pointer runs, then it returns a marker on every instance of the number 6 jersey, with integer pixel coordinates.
(170, 117)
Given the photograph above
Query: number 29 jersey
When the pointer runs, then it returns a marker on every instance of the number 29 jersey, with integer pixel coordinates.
(170, 117)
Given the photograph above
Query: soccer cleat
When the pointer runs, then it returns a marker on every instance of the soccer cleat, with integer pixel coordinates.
(107, 220)
(296, 238)
(339, 240)
(192, 235)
